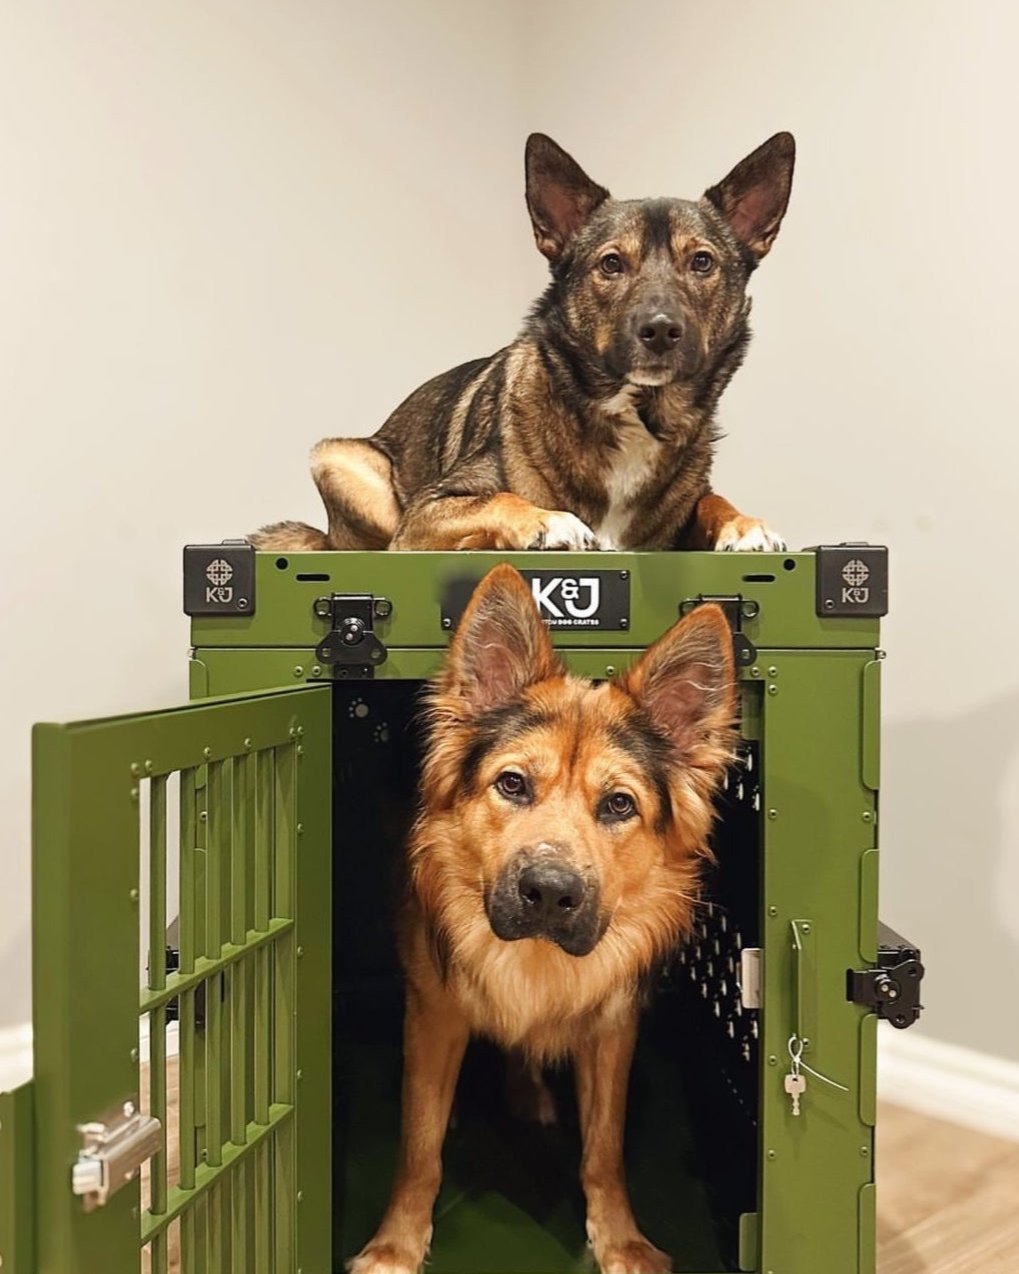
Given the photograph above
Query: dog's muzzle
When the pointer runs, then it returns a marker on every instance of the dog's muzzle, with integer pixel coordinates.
(542, 895)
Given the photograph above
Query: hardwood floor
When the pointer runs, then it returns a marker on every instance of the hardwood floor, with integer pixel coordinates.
(948, 1199)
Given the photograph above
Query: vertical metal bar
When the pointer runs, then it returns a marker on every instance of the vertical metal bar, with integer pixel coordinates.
(284, 1004)
(263, 1210)
(186, 1001)
(157, 1018)
(215, 853)
(237, 973)
(218, 835)
(265, 781)
(240, 858)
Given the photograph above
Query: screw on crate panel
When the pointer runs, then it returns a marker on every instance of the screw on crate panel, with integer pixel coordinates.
(298, 671)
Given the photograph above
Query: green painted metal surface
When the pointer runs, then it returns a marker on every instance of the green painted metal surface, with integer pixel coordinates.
(414, 582)
(819, 822)
(255, 915)
(17, 1180)
(812, 700)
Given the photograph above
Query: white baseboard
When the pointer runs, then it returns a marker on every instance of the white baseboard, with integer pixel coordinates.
(15, 1056)
(16, 1051)
(949, 1082)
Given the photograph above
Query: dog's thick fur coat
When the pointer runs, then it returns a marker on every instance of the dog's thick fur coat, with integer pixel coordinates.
(596, 427)
(605, 790)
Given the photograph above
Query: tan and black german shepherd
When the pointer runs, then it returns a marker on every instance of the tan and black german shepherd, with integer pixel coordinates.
(596, 427)
(553, 866)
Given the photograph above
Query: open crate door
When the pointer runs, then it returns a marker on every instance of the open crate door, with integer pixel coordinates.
(211, 823)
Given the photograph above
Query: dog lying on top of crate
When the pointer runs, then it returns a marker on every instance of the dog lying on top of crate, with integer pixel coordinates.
(553, 866)
(596, 427)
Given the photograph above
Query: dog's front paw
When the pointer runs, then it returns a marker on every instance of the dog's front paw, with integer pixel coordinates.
(637, 1256)
(384, 1258)
(748, 535)
(564, 531)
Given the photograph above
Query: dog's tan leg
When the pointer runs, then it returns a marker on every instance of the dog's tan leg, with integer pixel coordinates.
(355, 481)
(603, 1070)
(434, 1038)
(718, 525)
(501, 521)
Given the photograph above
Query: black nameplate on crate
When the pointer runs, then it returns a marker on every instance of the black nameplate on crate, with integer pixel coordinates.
(565, 599)
(852, 580)
(219, 579)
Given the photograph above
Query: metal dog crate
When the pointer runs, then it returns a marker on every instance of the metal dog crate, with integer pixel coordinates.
(236, 856)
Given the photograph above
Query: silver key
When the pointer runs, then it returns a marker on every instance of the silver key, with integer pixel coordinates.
(796, 1086)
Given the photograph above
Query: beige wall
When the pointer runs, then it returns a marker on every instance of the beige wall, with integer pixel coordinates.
(228, 229)
(880, 399)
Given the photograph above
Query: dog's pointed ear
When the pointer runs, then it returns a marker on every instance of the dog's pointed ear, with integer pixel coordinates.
(560, 195)
(754, 196)
(686, 683)
(501, 646)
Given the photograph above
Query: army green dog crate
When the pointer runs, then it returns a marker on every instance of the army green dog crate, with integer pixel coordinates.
(236, 858)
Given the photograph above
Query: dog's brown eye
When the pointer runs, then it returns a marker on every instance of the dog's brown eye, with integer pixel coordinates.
(702, 262)
(611, 263)
(512, 785)
(618, 805)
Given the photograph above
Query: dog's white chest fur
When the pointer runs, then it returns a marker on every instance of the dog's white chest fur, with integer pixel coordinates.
(631, 465)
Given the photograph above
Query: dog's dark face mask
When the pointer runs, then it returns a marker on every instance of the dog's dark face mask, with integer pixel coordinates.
(648, 292)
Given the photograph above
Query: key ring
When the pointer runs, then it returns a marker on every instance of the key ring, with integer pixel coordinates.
(795, 1047)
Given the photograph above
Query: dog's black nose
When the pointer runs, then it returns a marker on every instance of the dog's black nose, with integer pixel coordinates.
(659, 333)
(551, 891)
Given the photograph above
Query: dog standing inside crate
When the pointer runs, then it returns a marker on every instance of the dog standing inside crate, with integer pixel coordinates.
(553, 867)
(596, 427)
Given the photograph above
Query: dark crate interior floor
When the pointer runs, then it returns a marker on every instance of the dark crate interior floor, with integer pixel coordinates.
(511, 1201)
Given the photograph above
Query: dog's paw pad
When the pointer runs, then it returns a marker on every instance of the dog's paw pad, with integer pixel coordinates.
(748, 535)
(383, 1258)
(565, 531)
(636, 1257)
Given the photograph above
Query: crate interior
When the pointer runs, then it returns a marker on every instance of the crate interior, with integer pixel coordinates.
(511, 1201)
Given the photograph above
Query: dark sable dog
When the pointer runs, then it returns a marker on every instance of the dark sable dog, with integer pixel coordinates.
(595, 428)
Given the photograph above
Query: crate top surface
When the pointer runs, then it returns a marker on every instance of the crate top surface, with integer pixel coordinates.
(598, 600)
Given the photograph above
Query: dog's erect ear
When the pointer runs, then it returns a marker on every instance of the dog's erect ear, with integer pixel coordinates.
(686, 682)
(501, 646)
(560, 195)
(754, 196)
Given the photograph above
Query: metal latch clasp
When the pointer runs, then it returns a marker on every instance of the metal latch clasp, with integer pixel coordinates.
(352, 644)
(736, 609)
(112, 1152)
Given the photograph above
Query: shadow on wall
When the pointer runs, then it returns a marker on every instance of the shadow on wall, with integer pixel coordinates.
(950, 877)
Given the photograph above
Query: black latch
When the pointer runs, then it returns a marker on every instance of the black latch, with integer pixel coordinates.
(173, 1006)
(736, 609)
(892, 988)
(351, 643)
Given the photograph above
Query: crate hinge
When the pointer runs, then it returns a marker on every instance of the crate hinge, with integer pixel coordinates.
(890, 988)
(352, 645)
(113, 1150)
(736, 609)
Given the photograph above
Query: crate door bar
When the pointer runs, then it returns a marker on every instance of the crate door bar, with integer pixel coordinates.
(86, 935)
